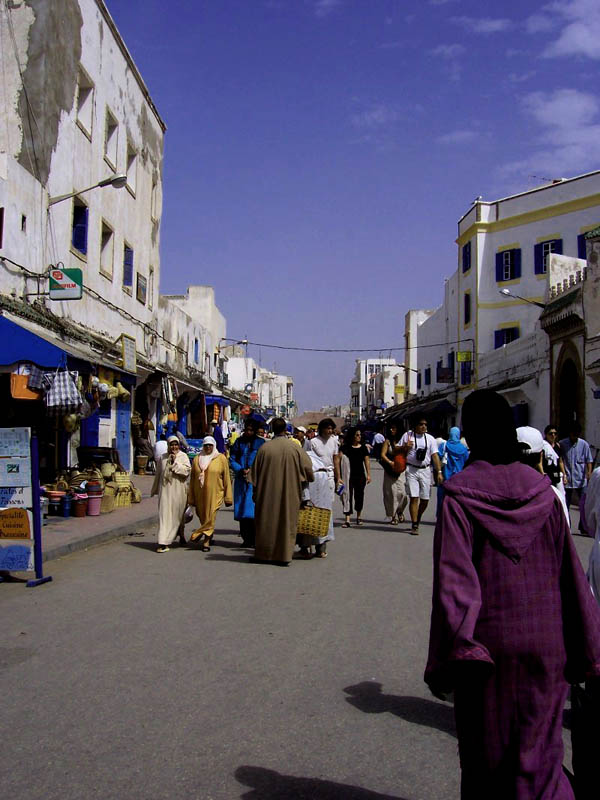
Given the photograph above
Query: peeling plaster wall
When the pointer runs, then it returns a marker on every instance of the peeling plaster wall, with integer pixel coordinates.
(56, 42)
(49, 79)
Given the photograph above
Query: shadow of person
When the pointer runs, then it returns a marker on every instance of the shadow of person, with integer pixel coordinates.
(266, 784)
(368, 697)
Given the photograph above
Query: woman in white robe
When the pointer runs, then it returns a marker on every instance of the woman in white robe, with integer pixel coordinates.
(321, 495)
(171, 485)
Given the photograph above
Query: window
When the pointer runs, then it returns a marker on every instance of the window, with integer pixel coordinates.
(467, 307)
(541, 252)
(466, 257)
(419, 379)
(127, 267)
(23, 223)
(141, 288)
(427, 376)
(465, 372)
(107, 251)
(150, 288)
(79, 232)
(85, 103)
(505, 336)
(196, 350)
(581, 246)
(154, 198)
(1, 226)
(508, 265)
(131, 168)
(111, 136)
(450, 361)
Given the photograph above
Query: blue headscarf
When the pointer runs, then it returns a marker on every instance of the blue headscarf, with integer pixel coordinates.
(456, 454)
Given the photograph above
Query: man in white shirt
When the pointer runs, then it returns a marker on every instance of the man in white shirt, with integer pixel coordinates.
(325, 446)
(421, 455)
(378, 441)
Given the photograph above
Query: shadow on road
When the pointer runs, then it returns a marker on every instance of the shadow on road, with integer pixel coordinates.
(266, 784)
(368, 697)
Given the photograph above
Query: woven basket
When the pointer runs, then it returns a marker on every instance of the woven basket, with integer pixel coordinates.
(107, 503)
(314, 521)
(122, 478)
(123, 498)
(136, 495)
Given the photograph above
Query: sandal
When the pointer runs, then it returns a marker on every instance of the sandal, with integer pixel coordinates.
(415, 529)
(162, 548)
(401, 519)
(205, 548)
(345, 524)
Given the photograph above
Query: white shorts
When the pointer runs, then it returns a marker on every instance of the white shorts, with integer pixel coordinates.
(418, 481)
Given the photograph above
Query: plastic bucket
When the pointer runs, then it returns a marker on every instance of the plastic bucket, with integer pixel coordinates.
(65, 505)
(80, 507)
(93, 487)
(93, 505)
(54, 508)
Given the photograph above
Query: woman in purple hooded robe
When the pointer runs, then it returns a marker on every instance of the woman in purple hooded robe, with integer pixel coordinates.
(513, 619)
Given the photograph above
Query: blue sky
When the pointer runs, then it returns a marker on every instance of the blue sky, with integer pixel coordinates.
(319, 153)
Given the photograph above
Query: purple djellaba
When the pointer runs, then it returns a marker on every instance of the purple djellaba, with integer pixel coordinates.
(513, 620)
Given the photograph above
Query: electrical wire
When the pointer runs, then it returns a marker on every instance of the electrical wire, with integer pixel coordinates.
(103, 300)
(349, 349)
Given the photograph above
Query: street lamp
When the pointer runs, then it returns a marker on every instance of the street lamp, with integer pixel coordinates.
(508, 293)
(116, 181)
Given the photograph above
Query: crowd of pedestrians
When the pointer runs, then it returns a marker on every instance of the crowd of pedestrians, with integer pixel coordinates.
(514, 621)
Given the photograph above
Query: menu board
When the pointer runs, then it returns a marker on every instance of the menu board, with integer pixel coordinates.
(16, 522)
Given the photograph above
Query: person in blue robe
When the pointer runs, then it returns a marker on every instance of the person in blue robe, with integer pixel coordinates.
(241, 457)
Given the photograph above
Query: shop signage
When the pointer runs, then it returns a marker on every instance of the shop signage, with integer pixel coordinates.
(399, 389)
(464, 355)
(20, 516)
(66, 284)
(128, 353)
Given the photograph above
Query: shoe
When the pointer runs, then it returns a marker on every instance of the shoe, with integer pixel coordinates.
(305, 553)
(321, 555)
(401, 519)
(415, 529)
(345, 524)
(196, 535)
(162, 549)
(359, 523)
(393, 521)
(205, 548)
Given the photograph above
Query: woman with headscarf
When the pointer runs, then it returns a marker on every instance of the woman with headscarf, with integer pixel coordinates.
(210, 487)
(453, 457)
(171, 485)
(513, 620)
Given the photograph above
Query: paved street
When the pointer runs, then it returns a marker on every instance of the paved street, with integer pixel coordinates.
(186, 675)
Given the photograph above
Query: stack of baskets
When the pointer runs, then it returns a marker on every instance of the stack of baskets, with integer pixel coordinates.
(119, 493)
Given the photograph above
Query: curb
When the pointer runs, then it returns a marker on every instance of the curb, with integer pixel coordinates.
(58, 551)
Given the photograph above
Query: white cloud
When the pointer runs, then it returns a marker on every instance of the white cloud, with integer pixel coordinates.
(375, 116)
(483, 24)
(448, 50)
(521, 77)
(457, 137)
(325, 7)
(450, 53)
(568, 138)
(578, 23)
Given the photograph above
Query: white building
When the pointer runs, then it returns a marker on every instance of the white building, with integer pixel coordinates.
(493, 299)
(363, 382)
(76, 112)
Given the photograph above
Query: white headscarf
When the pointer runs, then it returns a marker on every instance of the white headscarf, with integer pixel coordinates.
(204, 459)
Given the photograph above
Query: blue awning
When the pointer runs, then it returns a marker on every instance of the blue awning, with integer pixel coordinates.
(19, 344)
(211, 399)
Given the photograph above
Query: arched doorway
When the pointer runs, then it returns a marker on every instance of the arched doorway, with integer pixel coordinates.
(569, 390)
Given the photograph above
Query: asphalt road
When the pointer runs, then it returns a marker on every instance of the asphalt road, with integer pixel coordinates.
(191, 675)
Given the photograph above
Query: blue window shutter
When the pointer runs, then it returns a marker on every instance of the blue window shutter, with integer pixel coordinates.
(558, 246)
(499, 267)
(127, 266)
(450, 361)
(80, 226)
(538, 259)
(581, 247)
(418, 380)
(498, 339)
(516, 270)
(515, 333)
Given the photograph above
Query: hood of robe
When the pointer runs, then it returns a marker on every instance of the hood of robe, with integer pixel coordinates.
(511, 502)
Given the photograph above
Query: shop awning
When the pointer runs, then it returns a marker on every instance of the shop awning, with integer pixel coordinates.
(434, 407)
(211, 399)
(23, 340)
